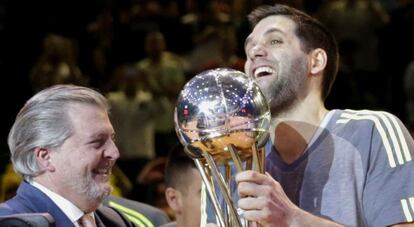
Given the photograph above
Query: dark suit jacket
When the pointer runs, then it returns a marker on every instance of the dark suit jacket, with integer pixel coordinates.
(31, 200)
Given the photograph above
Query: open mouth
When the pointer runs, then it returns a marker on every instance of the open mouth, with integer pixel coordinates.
(103, 173)
(262, 71)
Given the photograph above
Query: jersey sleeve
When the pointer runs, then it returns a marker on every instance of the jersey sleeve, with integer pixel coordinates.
(388, 195)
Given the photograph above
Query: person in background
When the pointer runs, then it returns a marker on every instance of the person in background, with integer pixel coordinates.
(133, 115)
(164, 73)
(228, 52)
(57, 64)
(183, 189)
(61, 143)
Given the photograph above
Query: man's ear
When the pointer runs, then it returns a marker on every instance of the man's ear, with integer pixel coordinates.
(44, 159)
(173, 198)
(318, 61)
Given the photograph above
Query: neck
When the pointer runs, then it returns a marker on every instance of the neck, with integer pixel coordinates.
(291, 131)
(179, 219)
(84, 204)
(156, 59)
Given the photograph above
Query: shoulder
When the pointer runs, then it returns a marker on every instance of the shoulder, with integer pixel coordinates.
(370, 116)
(112, 217)
(144, 63)
(28, 199)
(379, 131)
(138, 212)
(384, 123)
(367, 120)
(5, 209)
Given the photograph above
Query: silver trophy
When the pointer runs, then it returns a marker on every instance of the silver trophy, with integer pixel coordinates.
(222, 119)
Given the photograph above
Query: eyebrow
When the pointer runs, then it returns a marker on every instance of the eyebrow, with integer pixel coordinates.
(271, 30)
(100, 135)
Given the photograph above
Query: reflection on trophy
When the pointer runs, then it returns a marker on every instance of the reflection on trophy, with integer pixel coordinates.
(222, 119)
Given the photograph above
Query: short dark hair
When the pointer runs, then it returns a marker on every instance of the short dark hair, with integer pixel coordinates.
(312, 34)
(178, 165)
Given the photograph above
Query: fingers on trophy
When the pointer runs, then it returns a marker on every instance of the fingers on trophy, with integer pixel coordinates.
(222, 119)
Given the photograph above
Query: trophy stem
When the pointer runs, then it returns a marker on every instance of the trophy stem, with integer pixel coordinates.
(224, 189)
(262, 155)
(235, 157)
(256, 164)
(208, 184)
(258, 159)
(227, 178)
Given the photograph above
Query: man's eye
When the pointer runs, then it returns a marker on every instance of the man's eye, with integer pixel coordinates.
(275, 42)
(97, 143)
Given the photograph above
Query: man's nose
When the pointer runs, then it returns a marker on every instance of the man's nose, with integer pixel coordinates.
(112, 152)
(257, 50)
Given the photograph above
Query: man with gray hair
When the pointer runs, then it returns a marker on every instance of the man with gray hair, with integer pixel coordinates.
(62, 144)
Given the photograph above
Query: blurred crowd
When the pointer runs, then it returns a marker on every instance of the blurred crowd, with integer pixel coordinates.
(140, 53)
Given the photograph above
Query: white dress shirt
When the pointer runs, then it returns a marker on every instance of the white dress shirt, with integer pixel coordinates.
(68, 208)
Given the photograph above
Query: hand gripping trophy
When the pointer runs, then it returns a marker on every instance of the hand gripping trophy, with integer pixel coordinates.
(222, 119)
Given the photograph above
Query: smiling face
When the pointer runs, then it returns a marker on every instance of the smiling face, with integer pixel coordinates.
(84, 161)
(276, 61)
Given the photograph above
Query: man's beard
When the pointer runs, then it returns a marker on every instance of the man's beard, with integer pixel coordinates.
(283, 92)
(87, 186)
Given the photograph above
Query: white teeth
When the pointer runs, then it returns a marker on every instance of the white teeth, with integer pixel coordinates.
(263, 69)
(103, 171)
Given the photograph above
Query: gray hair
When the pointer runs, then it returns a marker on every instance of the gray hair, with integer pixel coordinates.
(43, 122)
